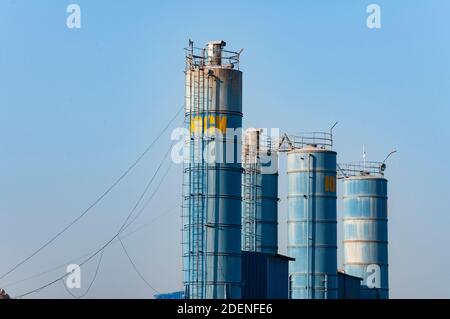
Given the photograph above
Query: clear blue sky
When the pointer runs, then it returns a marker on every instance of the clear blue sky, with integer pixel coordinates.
(78, 106)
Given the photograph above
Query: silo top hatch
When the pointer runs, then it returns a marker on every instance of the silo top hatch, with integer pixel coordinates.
(214, 52)
(213, 55)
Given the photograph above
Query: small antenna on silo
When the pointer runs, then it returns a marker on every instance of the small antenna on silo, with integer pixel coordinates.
(383, 164)
(332, 127)
(331, 132)
(389, 155)
(364, 155)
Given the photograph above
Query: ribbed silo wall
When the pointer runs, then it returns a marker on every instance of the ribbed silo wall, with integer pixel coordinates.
(312, 214)
(267, 216)
(212, 192)
(365, 236)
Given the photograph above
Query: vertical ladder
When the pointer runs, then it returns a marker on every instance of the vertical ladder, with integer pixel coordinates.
(250, 198)
(198, 169)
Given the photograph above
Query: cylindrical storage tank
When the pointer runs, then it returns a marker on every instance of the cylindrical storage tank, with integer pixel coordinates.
(267, 215)
(312, 224)
(260, 195)
(365, 235)
(212, 183)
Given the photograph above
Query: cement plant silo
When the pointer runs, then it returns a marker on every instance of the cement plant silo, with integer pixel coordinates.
(365, 221)
(259, 194)
(212, 173)
(312, 224)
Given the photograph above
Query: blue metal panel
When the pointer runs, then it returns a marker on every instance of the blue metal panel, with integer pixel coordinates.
(349, 286)
(312, 214)
(254, 275)
(366, 233)
(267, 217)
(212, 185)
(278, 277)
(264, 276)
(171, 295)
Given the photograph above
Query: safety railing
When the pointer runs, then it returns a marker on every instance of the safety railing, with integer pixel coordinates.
(322, 140)
(198, 58)
(362, 168)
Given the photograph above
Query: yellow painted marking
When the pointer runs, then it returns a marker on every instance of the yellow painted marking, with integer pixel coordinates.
(330, 184)
(209, 124)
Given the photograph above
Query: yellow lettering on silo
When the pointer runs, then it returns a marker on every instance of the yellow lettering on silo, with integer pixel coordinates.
(330, 184)
(209, 124)
(221, 123)
(212, 125)
(196, 124)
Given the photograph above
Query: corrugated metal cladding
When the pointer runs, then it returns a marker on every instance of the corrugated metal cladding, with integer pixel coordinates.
(212, 186)
(312, 224)
(171, 295)
(264, 276)
(365, 235)
(349, 287)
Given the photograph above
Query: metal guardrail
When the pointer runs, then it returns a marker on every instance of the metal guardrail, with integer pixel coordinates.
(362, 168)
(321, 140)
(198, 58)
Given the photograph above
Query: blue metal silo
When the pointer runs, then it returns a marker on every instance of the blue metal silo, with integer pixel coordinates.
(212, 174)
(365, 221)
(267, 220)
(312, 224)
(259, 194)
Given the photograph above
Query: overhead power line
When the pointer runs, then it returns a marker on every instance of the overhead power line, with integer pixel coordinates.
(150, 198)
(40, 274)
(172, 209)
(90, 285)
(135, 268)
(128, 234)
(108, 190)
(122, 227)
